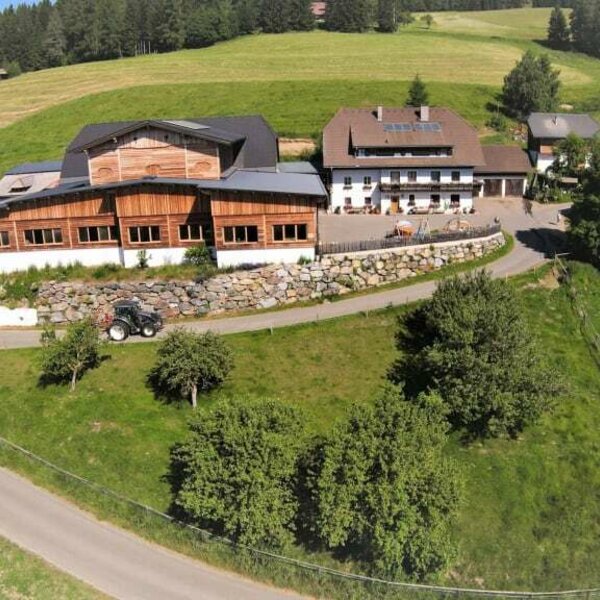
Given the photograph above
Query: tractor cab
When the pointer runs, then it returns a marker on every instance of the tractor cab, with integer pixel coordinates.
(130, 319)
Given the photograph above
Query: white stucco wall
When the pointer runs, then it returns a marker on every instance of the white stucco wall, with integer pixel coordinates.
(21, 261)
(383, 199)
(231, 258)
(157, 257)
(18, 317)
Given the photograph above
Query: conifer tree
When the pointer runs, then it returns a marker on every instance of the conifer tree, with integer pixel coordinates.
(348, 15)
(274, 16)
(417, 94)
(301, 17)
(55, 43)
(386, 16)
(559, 36)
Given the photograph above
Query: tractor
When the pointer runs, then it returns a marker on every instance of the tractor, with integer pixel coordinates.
(130, 319)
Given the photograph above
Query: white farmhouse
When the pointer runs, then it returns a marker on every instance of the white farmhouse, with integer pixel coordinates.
(401, 160)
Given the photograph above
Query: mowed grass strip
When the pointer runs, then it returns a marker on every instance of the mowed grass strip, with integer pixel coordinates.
(530, 516)
(466, 53)
(26, 577)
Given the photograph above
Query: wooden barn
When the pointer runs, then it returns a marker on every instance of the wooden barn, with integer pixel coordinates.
(163, 186)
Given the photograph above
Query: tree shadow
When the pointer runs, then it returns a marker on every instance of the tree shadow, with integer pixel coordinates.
(545, 240)
(47, 379)
(163, 393)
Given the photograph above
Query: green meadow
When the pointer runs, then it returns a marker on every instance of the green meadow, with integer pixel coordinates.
(530, 517)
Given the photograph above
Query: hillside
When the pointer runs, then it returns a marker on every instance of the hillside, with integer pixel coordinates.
(297, 79)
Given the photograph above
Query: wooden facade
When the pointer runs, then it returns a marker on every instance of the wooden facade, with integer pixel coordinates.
(153, 152)
(168, 207)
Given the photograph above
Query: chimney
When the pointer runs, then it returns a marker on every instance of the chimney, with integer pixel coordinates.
(380, 114)
(555, 119)
(424, 113)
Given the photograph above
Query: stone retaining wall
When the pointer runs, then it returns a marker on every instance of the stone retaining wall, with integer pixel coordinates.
(265, 287)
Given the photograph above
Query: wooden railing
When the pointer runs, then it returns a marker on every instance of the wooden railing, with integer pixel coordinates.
(435, 237)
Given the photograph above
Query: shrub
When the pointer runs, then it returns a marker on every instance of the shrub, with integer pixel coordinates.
(236, 474)
(189, 362)
(143, 259)
(198, 256)
(498, 122)
(584, 229)
(471, 343)
(68, 358)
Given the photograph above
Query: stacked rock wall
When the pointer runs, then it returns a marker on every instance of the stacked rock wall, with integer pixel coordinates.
(264, 287)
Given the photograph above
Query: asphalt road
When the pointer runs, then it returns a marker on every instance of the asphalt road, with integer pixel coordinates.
(529, 232)
(109, 559)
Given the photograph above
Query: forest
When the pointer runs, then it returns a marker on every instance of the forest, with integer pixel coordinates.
(50, 34)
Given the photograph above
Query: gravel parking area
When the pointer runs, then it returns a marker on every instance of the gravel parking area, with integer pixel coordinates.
(348, 228)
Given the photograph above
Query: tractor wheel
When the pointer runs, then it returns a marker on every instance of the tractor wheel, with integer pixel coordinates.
(118, 332)
(148, 330)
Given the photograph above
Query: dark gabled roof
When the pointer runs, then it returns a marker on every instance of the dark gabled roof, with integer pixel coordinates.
(191, 128)
(47, 166)
(560, 125)
(304, 184)
(504, 160)
(301, 184)
(259, 141)
(354, 128)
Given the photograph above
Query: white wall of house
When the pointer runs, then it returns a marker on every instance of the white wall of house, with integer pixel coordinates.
(357, 192)
(231, 258)
(21, 261)
(157, 257)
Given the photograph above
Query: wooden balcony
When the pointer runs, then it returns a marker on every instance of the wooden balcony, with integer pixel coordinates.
(431, 186)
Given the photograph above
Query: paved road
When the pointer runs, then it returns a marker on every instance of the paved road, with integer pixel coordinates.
(108, 558)
(529, 231)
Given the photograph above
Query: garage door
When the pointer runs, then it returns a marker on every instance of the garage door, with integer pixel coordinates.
(492, 187)
(514, 187)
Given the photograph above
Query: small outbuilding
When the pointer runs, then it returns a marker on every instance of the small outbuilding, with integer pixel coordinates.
(505, 173)
(3, 74)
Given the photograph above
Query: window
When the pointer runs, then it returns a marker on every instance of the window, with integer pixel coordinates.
(435, 200)
(395, 176)
(347, 182)
(368, 201)
(102, 233)
(145, 234)
(240, 234)
(348, 201)
(455, 200)
(412, 176)
(290, 233)
(435, 176)
(19, 187)
(39, 237)
(188, 233)
(411, 200)
(4, 239)
(455, 175)
(367, 181)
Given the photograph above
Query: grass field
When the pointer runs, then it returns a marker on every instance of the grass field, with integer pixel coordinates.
(530, 518)
(26, 577)
(296, 80)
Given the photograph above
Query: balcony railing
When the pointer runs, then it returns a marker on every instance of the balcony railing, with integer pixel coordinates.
(393, 241)
(431, 186)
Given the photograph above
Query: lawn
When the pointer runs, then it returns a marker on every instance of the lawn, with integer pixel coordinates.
(26, 577)
(530, 518)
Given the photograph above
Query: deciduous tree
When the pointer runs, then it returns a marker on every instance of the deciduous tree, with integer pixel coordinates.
(69, 357)
(188, 363)
(382, 489)
(236, 475)
(533, 85)
(471, 343)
